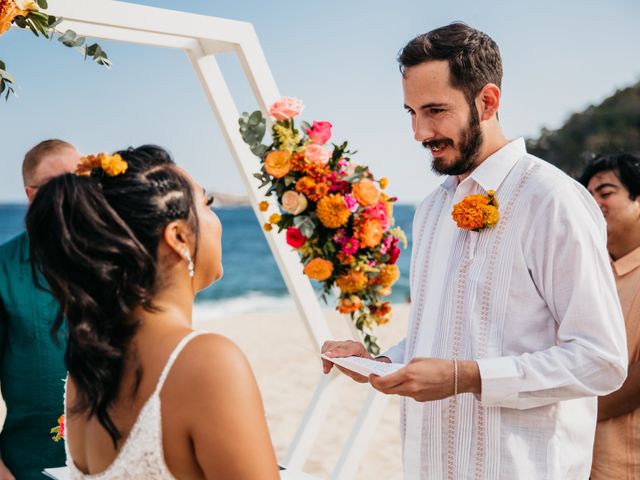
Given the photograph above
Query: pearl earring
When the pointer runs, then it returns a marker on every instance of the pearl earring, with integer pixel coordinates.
(187, 257)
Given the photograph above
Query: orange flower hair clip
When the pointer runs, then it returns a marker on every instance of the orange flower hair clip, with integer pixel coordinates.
(111, 165)
(476, 212)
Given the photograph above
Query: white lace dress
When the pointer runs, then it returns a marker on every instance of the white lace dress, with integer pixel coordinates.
(141, 456)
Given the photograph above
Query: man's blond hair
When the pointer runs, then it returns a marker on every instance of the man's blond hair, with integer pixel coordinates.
(34, 157)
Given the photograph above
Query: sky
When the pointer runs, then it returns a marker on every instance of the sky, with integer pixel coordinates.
(337, 56)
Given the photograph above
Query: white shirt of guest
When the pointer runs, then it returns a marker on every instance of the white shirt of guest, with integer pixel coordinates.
(533, 301)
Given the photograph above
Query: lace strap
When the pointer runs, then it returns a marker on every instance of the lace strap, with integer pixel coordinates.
(172, 358)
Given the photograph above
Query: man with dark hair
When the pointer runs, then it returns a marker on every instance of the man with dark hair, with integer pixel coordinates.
(614, 182)
(31, 364)
(515, 324)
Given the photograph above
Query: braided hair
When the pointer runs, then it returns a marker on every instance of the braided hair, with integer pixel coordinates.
(95, 239)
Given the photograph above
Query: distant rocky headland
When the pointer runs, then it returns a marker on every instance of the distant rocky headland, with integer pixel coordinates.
(224, 200)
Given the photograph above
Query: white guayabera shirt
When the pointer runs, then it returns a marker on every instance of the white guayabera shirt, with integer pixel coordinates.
(533, 301)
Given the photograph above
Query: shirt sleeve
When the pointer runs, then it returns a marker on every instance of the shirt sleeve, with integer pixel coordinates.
(569, 264)
(396, 353)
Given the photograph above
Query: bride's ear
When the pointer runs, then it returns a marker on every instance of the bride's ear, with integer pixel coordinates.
(176, 235)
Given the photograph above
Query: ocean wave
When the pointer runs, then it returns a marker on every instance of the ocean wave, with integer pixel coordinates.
(251, 302)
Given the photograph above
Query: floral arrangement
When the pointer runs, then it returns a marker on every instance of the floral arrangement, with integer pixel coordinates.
(334, 213)
(110, 165)
(58, 430)
(476, 212)
(29, 14)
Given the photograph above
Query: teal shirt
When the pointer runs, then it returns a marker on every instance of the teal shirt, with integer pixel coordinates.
(31, 367)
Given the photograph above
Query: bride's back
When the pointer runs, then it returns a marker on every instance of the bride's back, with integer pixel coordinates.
(124, 249)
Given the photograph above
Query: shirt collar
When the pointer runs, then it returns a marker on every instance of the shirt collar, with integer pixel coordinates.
(491, 173)
(628, 263)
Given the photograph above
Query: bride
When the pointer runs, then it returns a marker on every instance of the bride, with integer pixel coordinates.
(124, 246)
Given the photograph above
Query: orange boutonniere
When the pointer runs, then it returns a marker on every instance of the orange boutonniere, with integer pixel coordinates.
(476, 212)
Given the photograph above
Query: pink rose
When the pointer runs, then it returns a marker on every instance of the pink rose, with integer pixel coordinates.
(293, 202)
(295, 237)
(286, 108)
(352, 203)
(320, 132)
(317, 153)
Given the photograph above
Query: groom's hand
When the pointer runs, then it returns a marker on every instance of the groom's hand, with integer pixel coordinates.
(346, 348)
(425, 379)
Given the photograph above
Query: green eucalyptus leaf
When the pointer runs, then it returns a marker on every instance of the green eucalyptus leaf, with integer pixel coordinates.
(259, 150)
(42, 4)
(20, 21)
(53, 21)
(304, 126)
(255, 118)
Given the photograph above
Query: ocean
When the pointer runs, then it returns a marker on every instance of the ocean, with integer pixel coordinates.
(251, 281)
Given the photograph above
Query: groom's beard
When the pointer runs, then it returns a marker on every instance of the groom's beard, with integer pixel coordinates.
(469, 147)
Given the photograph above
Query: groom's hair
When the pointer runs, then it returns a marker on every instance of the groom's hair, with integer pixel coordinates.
(624, 165)
(473, 57)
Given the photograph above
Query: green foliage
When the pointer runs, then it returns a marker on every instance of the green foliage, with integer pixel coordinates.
(252, 129)
(612, 125)
(43, 24)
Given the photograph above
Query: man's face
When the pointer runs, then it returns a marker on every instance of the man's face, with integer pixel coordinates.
(53, 164)
(441, 118)
(620, 211)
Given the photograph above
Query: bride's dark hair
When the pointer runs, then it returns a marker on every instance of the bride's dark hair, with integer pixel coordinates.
(95, 239)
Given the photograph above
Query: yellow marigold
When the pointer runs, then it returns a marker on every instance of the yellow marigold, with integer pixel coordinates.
(275, 218)
(475, 212)
(278, 163)
(263, 206)
(349, 304)
(383, 183)
(8, 11)
(352, 282)
(369, 232)
(267, 227)
(113, 165)
(318, 269)
(366, 192)
(389, 274)
(332, 211)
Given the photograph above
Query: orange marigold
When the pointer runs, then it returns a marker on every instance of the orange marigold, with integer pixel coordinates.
(318, 269)
(267, 227)
(8, 11)
(475, 212)
(113, 165)
(349, 304)
(389, 274)
(369, 232)
(366, 192)
(278, 163)
(381, 313)
(332, 211)
(352, 282)
(345, 259)
(263, 206)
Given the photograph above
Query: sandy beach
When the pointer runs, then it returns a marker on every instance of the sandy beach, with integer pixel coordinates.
(278, 348)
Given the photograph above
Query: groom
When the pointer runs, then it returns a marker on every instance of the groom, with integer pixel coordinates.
(516, 327)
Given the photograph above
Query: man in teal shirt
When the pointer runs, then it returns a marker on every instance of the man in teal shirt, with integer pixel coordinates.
(32, 367)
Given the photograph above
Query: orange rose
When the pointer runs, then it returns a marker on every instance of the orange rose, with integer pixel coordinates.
(332, 211)
(318, 269)
(8, 11)
(352, 282)
(278, 163)
(349, 304)
(370, 233)
(366, 192)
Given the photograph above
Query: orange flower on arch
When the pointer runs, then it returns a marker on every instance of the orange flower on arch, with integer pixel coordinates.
(318, 269)
(278, 163)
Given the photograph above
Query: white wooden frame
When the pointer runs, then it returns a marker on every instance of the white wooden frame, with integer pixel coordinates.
(202, 38)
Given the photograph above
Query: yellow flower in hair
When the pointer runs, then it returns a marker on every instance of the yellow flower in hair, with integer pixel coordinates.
(113, 165)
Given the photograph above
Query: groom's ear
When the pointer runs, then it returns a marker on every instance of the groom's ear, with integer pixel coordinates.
(176, 235)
